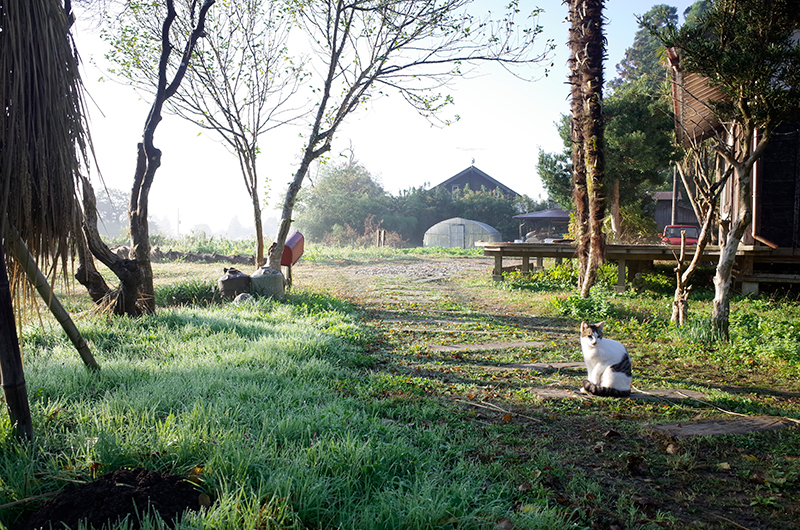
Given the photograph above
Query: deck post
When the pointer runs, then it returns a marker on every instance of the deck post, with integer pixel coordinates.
(526, 264)
(497, 273)
(620, 287)
(539, 263)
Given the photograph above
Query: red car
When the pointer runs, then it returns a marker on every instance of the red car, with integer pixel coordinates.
(672, 234)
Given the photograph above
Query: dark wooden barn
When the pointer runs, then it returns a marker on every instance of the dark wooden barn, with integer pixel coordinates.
(776, 183)
(476, 180)
(771, 246)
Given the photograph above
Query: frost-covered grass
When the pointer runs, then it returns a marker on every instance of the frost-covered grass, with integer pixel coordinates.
(249, 398)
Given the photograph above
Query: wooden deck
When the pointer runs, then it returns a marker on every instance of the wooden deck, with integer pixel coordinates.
(629, 258)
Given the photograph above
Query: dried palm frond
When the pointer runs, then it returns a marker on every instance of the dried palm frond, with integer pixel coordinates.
(43, 141)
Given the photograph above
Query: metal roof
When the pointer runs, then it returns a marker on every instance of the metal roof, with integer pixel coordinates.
(552, 213)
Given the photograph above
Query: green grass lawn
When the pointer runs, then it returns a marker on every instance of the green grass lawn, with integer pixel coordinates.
(307, 414)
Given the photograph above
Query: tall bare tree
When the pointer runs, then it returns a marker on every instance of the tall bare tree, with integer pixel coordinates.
(238, 84)
(366, 46)
(136, 294)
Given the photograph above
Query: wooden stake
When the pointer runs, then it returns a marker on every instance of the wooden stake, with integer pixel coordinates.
(36, 277)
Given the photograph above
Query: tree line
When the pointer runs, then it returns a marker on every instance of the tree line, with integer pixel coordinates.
(346, 204)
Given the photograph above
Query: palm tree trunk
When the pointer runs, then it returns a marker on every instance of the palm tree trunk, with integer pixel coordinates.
(589, 50)
(12, 377)
(579, 193)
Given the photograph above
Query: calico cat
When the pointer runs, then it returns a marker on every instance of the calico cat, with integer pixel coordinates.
(607, 363)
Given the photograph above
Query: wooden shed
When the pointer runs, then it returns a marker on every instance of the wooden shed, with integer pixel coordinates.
(552, 223)
(775, 189)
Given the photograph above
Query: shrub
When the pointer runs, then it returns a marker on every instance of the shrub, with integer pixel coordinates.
(594, 308)
(557, 278)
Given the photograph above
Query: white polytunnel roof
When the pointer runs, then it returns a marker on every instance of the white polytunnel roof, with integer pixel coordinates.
(459, 233)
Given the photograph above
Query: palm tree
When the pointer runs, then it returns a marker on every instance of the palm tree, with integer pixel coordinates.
(42, 148)
(588, 48)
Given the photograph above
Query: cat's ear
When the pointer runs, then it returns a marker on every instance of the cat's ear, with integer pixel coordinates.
(600, 325)
(584, 325)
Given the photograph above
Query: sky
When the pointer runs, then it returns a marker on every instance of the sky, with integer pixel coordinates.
(504, 121)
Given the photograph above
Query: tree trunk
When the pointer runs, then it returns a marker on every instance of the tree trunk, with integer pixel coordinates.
(276, 250)
(680, 302)
(88, 275)
(148, 161)
(591, 79)
(616, 217)
(127, 270)
(259, 230)
(12, 376)
(720, 312)
(579, 193)
(136, 276)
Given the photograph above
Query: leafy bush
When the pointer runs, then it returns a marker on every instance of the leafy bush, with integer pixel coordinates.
(594, 308)
(557, 278)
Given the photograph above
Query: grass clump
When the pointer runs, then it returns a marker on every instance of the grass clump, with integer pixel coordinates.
(189, 292)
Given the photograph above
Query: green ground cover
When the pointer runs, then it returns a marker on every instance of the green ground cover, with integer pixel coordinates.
(331, 409)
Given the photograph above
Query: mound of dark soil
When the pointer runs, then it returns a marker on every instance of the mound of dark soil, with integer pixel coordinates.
(115, 495)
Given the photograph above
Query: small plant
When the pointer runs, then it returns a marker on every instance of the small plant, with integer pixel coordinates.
(595, 308)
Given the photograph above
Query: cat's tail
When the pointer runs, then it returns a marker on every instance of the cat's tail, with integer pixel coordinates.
(604, 391)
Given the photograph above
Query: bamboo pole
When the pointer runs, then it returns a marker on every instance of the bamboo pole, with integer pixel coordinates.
(12, 377)
(20, 252)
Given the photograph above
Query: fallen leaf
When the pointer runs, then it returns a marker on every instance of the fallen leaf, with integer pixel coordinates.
(750, 458)
(724, 465)
(637, 465)
(196, 475)
(612, 434)
(507, 417)
(599, 447)
(525, 486)
(673, 449)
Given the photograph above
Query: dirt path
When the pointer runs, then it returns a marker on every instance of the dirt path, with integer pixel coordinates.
(447, 333)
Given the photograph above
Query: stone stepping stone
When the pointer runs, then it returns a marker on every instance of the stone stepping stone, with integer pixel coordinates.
(536, 366)
(486, 346)
(739, 425)
(431, 279)
(555, 393)
(561, 393)
(667, 393)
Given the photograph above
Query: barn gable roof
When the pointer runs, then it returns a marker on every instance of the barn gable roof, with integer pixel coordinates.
(472, 174)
